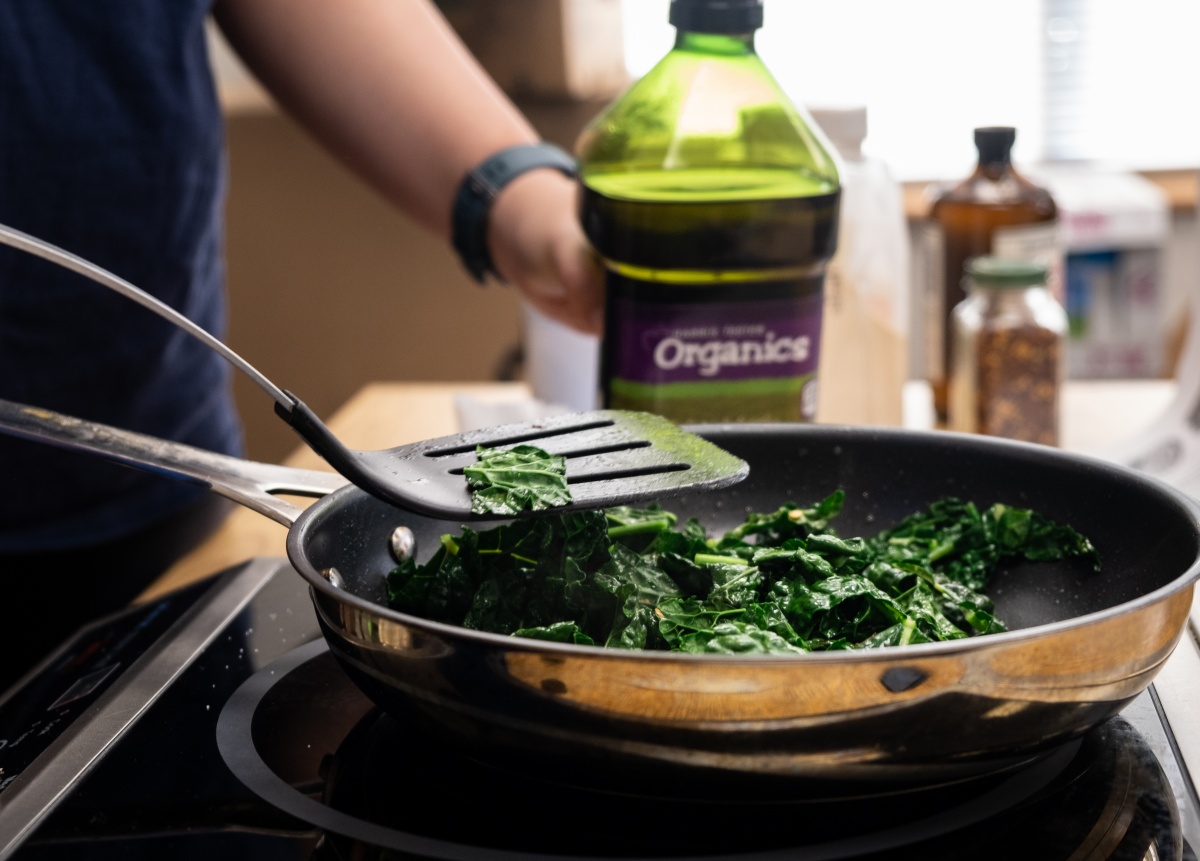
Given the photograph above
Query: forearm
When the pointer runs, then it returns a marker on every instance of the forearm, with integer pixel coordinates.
(386, 85)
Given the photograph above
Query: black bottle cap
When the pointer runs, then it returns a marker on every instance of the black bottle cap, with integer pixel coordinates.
(995, 144)
(717, 16)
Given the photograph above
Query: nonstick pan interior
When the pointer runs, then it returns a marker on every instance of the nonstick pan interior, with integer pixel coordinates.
(1145, 537)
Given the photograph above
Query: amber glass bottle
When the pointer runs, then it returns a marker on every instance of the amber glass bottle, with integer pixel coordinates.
(994, 211)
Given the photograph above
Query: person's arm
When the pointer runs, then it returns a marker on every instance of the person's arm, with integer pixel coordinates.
(389, 88)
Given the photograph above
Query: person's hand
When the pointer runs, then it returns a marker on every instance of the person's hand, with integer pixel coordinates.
(537, 246)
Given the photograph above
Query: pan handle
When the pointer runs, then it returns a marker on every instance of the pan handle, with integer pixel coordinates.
(245, 482)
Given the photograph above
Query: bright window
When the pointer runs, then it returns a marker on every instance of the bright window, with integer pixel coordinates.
(1106, 81)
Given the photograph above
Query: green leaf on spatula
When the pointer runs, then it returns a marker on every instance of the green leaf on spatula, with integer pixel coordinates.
(508, 481)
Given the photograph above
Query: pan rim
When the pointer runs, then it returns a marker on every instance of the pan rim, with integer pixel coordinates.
(1186, 506)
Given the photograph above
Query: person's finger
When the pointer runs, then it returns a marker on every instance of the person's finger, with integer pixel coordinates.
(539, 248)
(582, 274)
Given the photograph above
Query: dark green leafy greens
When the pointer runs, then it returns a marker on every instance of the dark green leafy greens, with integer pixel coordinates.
(781, 582)
(522, 478)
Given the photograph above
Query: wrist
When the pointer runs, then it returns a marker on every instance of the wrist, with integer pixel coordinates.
(479, 190)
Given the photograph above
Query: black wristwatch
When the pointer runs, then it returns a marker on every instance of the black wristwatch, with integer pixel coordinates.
(480, 187)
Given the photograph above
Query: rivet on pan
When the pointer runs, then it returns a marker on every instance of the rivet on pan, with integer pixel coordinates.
(334, 577)
(901, 679)
(403, 543)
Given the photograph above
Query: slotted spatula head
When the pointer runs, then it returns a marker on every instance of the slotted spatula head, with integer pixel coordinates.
(613, 457)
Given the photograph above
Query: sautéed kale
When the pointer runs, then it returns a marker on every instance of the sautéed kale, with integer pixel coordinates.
(781, 582)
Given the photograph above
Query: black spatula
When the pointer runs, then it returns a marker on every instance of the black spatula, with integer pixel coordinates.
(613, 457)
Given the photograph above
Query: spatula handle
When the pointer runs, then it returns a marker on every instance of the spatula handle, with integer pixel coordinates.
(321, 440)
(246, 482)
(40, 248)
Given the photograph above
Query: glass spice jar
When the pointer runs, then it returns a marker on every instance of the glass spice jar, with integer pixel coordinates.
(1009, 340)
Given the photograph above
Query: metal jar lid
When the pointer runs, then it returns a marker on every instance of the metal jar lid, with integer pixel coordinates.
(992, 271)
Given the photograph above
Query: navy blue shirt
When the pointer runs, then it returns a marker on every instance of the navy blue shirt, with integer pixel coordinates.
(111, 146)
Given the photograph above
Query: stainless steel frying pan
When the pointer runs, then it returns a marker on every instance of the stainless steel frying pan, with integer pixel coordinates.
(1082, 645)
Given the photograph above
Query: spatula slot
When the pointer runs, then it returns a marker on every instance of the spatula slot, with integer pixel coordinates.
(615, 474)
(605, 449)
(516, 439)
(583, 452)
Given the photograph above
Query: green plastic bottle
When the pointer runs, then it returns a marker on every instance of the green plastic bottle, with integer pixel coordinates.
(714, 206)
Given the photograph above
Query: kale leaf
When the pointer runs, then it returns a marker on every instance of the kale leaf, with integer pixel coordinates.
(953, 537)
(512, 480)
(781, 582)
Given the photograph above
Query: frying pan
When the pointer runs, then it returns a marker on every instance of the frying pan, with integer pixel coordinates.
(1081, 645)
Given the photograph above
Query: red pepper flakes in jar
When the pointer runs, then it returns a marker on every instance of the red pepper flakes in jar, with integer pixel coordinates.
(1008, 352)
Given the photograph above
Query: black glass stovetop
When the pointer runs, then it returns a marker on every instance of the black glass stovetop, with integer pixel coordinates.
(251, 743)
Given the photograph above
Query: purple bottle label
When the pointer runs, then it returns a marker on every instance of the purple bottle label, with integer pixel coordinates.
(663, 344)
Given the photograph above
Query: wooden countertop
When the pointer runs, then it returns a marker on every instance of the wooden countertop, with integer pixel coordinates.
(382, 415)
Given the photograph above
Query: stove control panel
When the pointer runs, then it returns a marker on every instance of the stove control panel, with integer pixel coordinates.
(57, 722)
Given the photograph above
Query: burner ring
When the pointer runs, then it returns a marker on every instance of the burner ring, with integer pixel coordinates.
(235, 742)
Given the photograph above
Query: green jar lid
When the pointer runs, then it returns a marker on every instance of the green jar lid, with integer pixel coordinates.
(1006, 272)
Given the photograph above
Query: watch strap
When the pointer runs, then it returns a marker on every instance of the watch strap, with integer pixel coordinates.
(480, 187)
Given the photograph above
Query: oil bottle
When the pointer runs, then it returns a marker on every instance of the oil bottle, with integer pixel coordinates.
(713, 202)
